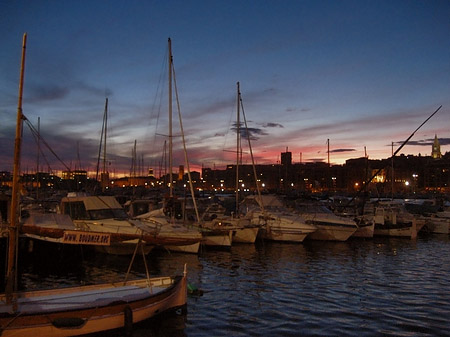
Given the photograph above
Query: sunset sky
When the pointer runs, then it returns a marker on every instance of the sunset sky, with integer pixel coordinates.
(362, 74)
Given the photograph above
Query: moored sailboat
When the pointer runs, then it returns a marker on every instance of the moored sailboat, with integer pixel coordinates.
(171, 220)
(77, 310)
(169, 228)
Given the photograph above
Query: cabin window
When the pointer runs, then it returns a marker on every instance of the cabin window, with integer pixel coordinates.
(76, 210)
(110, 213)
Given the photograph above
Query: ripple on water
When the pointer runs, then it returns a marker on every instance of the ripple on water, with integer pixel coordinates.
(390, 287)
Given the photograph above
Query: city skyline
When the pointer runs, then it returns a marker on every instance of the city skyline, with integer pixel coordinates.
(363, 75)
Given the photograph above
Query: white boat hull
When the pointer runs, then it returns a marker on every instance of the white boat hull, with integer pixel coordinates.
(364, 231)
(218, 239)
(190, 249)
(332, 232)
(285, 235)
(438, 225)
(284, 226)
(246, 235)
(398, 230)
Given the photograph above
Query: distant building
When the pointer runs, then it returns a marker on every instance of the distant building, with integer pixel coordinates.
(286, 158)
(180, 172)
(436, 151)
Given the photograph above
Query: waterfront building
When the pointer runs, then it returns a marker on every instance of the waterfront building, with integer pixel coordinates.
(404, 174)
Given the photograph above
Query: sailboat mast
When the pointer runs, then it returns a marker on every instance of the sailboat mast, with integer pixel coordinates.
(104, 139)
(37, 159)
(238, 145)
(170, 119)
(328, 151)
(251, 152)
(392, 171)
(11, 282)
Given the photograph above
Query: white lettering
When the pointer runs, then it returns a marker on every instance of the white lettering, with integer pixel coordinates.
(86, 238)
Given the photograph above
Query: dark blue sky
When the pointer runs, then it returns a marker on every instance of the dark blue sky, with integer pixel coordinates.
(360, 73)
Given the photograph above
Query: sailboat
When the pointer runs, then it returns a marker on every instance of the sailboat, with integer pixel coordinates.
(77, 310)
(244, 230)
(171, 219)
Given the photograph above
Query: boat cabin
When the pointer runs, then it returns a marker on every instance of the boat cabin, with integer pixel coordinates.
(92, 208)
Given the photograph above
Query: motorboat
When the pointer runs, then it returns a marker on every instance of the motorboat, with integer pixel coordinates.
(277, 222)
(330, 227)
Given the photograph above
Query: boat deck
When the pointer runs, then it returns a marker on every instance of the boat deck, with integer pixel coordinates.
(81, 298)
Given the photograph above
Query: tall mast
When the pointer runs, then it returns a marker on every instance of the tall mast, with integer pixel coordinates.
(37, 159)
(78, 155)
(104, 177)
(251, 152)
(11, 281)
(170, 119)
(135, 160)
(328, 151)
(238, 145)
(104, 135)
(392, 171)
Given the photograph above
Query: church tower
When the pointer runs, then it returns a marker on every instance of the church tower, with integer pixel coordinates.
(436, 152)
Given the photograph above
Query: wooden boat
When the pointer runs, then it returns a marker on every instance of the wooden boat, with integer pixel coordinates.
(89, 309)
(77, 310)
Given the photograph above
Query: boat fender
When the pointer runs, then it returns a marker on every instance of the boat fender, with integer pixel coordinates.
(68, 322)
(128, 321)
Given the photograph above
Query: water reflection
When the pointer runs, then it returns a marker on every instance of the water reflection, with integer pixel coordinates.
(359, 287)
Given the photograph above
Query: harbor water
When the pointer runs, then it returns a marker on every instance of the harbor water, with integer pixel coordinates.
(362, 287)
